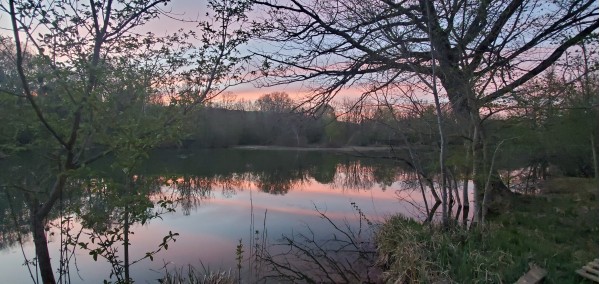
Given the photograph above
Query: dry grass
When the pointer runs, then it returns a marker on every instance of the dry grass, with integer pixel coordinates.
(413, 253)
(403, 254)
(557, 230)
(194, 276)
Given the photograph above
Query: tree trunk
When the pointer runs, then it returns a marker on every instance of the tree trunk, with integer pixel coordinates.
(465, 106)
(477, 170)
(41, 247)
(39, 213)
(431, 212)
(126, 227)
(126, 246)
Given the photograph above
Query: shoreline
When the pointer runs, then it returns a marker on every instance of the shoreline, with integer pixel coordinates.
(330, 149)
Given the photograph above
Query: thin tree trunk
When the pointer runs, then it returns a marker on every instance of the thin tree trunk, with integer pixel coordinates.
(458, 211)
(432, 212)
(477, 162)
(126, 220)
(433, 192)
(416, 164)
(449, 186)
(465, 200)
(467, 174)
(126, 245)
(438, 109)
(423, 193)
(39, 213)
(41, 247)
(455, 187)
(486, 191)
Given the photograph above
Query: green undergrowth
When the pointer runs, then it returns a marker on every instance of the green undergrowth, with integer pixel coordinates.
(556, 230)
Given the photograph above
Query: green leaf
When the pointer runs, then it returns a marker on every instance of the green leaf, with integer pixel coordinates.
(94, 255)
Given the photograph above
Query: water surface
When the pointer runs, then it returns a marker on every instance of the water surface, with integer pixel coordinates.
(220, 197)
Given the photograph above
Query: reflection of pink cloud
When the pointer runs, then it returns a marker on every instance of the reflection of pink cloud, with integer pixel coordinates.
(188, 251)
(275, 209)
(326, 189)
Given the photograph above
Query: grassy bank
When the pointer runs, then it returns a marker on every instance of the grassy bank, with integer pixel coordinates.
(557, 230)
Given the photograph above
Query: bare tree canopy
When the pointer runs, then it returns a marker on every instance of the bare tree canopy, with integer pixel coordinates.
(483, 49)
(275, 102)
(475, 53)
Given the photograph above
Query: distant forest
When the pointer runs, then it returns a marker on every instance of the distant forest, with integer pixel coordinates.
(275, 119)
(553, 133)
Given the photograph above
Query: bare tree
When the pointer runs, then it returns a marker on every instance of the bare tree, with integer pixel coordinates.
(482, 50)
(275, 102)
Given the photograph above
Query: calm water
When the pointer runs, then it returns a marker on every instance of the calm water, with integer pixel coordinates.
(220, 197)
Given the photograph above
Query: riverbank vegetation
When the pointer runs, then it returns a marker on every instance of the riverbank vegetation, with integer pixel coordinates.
(556, 229)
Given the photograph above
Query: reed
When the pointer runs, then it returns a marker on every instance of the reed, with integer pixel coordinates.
(192, 275)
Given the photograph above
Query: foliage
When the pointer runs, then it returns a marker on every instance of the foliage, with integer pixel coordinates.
(557, 230)
(87, 84)
(557, 125)
(109, 212)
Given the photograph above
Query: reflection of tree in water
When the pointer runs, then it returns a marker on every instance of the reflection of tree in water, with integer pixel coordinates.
(14, 220)
(425, 204)
(280, 181)
(105, 207)
(190, 191)
(360, 175)
(97, 212)
(410, 185)
(324, 169)
(410, 181)
(98, 204)
(104, 200)
(354, 176)
(230, 184)
(21, 186)
(385, 176)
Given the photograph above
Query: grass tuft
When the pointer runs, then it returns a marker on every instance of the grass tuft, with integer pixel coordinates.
(194, 276)
(557, 230)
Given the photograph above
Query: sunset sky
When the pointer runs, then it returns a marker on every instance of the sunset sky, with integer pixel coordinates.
(190, 10)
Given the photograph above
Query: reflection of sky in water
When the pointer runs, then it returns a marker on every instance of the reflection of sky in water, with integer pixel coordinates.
(215, 224)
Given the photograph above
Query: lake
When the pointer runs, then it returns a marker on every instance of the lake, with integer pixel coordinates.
(213, 200)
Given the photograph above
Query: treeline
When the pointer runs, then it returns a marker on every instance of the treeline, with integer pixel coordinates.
(275, 119)
(217, 127)
(553, 133)
(547, 135)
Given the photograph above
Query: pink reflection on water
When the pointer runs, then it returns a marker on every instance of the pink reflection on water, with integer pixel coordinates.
(214, 213)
